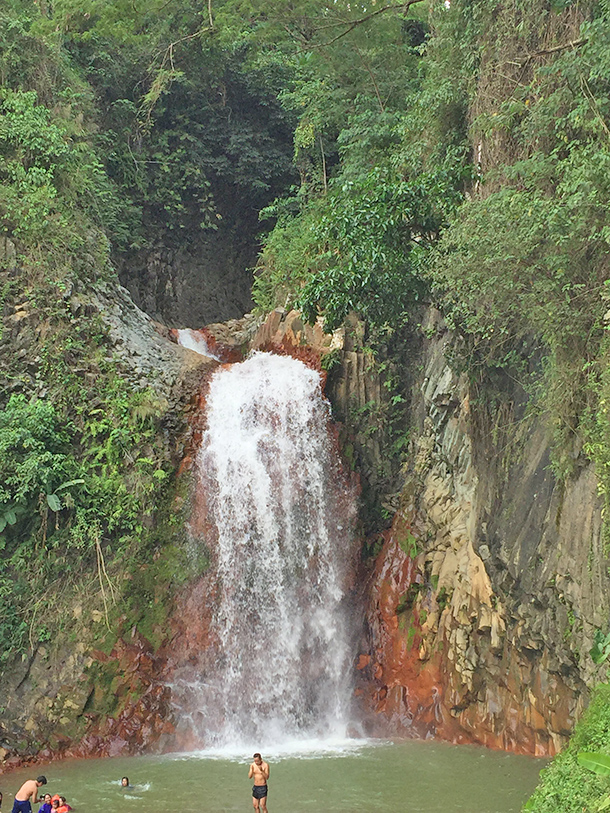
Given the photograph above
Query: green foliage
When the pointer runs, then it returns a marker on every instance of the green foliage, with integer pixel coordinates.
(595, 421)
(80, 468)
(408, 544)
(54, 188)
(34, 459)
(596, 762)
(129, 118)
(368, 244)
(524, 262)
(355, 237)
(568, 784)
(189, 124)
(33, 149)
(330, 360)
(359, 248)
(601, 647)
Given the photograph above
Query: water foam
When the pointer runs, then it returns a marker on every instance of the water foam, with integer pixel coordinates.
(195, 340)
(282, 515)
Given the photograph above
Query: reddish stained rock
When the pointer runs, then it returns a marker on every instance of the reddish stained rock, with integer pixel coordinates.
(414, 686)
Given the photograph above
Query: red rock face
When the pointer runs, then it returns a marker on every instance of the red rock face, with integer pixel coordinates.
(404, 696)
(143, 716)
(413, 678)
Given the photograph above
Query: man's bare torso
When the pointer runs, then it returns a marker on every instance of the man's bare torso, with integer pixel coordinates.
(259, 773)
(28, 790)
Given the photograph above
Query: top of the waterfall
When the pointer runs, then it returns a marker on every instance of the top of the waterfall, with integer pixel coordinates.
(195, 340)
(281, 373)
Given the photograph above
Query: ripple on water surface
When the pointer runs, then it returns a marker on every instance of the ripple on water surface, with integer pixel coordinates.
(340, 777)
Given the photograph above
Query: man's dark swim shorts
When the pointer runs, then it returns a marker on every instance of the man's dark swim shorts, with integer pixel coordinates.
(259, 791)
(22, 807)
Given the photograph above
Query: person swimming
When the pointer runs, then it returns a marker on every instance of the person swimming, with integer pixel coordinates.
(125, 782)
(46, 804)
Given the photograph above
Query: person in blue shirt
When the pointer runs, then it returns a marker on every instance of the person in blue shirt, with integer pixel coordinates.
(46, 805)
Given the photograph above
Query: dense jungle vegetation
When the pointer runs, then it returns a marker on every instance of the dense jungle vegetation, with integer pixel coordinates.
(455, 152)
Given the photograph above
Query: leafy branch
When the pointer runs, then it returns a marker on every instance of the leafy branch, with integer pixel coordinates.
(350, 25)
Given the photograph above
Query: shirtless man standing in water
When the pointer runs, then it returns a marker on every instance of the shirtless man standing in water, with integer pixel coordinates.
(259, 770)
(27, 795)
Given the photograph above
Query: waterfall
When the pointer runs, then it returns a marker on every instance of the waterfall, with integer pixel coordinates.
(279, 517)
(195, 340)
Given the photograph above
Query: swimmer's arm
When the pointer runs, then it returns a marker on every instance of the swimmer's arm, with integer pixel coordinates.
(251, 772)
(265, 770)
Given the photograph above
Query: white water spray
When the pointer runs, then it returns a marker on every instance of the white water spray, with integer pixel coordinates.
(282, 515)
(195, 340)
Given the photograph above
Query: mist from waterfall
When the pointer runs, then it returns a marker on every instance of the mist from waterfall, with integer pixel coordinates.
(280, 514)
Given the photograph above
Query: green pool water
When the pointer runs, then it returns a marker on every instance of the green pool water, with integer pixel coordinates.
(405, 777)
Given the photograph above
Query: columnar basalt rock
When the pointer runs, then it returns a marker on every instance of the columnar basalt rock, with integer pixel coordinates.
(488, 587)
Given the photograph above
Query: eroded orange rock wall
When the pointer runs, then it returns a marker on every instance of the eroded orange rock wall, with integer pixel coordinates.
(486, 593)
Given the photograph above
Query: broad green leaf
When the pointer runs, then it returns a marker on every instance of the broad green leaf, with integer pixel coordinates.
(604, 804)
(54, 502)
(10, 516)
(601, 647)
(69, 484)
(596, 762)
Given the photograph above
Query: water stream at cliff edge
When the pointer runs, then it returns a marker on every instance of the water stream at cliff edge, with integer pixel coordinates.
(279, 514)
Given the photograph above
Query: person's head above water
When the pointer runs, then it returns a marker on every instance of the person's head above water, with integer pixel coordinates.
(258, 758)
(42, 780)
(125, 782)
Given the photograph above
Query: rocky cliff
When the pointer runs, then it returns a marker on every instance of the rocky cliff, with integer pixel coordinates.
(480, 601)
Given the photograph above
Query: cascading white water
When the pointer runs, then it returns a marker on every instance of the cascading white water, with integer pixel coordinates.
(282, 516)
(195, 340)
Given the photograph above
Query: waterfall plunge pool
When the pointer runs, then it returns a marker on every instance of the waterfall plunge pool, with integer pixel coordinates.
(401, 777)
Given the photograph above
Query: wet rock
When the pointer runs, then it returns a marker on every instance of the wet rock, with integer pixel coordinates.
(496, 646)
